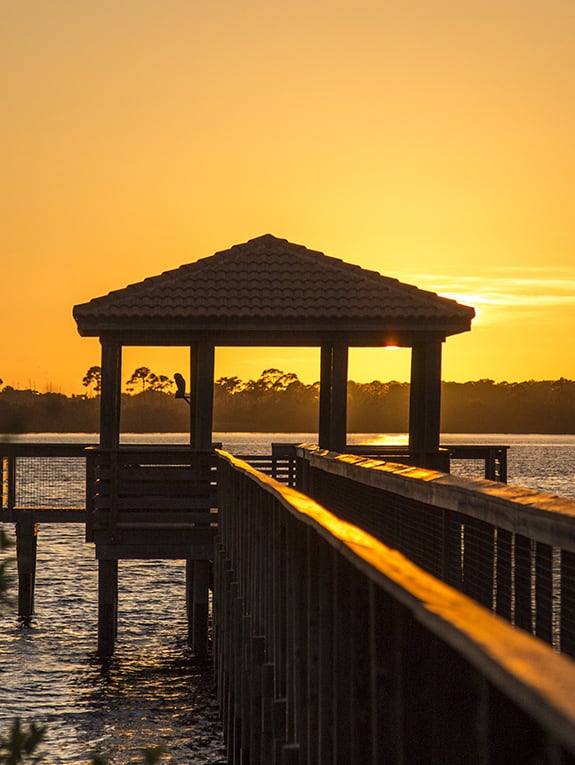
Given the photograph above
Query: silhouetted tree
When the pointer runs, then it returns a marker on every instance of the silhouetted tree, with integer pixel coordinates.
(93, 377)
(160, 383)
(229, 385)
(139, 376)
(148, 380)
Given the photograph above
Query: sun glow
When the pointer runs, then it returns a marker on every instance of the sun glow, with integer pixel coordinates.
(384, 439)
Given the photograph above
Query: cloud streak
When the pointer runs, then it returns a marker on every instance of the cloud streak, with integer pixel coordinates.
(510, 290)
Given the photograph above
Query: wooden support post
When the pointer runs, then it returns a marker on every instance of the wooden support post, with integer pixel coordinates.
(111, 395)
(202, 395)
(425, 401)
(109, 439)
(107, 606)
(26, 546)
(324, 435)
(201, 421)
(190, 599)
(197, 586)
(333, 397)
(339, 397)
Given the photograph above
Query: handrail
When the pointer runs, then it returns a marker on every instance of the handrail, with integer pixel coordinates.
(511, 548)
(27, 469)
(42, 449)
(37, 456)
(494, 457)
(140, 485)
(310, 586)
(548, 517)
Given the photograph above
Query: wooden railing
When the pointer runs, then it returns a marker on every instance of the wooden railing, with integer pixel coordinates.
(47, 478)
(150, 502)
(330, 647)
(142, 486)
(50, 478)
(493, 458)
(510, 548)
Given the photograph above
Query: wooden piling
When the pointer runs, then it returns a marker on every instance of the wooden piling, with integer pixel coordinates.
(197, 586)
(26, 548)
(107, 606)
(190, 599)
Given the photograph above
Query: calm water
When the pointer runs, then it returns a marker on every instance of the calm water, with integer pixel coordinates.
(153, 691)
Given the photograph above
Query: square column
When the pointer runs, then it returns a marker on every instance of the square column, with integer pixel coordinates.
(333, 397)
(110, 396)
(201, 395)
(107, 606)
(425, 398)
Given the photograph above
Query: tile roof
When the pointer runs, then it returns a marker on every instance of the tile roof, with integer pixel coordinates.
(267, 279)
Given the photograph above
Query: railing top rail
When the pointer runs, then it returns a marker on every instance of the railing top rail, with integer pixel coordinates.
(177, 448)
(525, 669)
(464, 450)
(548, 518)
(472, 449)
(39, 449)
(43, 449)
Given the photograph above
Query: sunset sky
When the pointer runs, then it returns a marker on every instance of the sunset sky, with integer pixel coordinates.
(431, 140)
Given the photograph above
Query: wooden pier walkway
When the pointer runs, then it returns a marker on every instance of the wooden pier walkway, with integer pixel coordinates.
(333, 647)
(364, 611)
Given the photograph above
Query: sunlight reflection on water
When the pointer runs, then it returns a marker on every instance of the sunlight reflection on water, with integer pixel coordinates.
(152, 691)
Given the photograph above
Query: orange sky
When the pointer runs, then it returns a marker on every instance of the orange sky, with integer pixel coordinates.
(431, 141)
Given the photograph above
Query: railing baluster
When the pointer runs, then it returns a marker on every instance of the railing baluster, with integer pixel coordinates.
(544, 592)
(325, 752)
(342, 660)
(523, 611)
(11, 483)
(503, 575)
(479, 557)
(567, 618)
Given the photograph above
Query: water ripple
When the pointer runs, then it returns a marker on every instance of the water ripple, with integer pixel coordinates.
(152, 691)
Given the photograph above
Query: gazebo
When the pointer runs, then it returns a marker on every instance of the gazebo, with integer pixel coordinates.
(270, 292)
(266, 292)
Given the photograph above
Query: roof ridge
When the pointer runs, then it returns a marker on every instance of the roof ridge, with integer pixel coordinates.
(305, 252)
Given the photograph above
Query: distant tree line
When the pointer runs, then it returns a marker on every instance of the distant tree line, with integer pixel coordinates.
(279, 401)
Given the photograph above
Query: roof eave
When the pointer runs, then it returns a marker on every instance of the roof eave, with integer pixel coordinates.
(248, 332)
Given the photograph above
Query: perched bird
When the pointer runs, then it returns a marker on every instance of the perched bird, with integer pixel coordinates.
(180, 387)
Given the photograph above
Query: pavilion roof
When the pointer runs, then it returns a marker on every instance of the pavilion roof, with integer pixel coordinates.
(269, 283)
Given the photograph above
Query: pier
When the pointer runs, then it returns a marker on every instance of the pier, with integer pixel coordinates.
(366, 605)
(363, 610)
